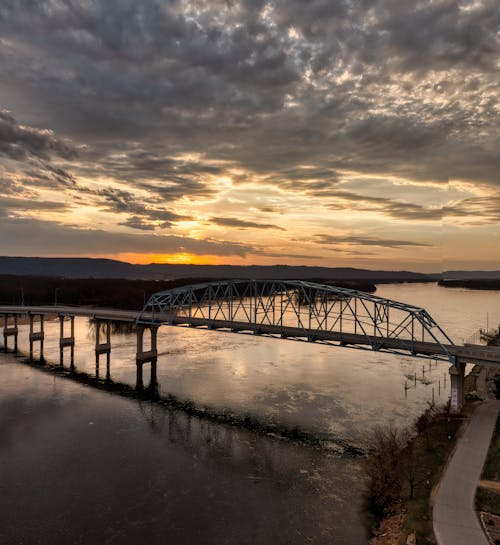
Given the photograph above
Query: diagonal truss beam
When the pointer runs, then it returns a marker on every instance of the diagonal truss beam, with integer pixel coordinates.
(306, 310)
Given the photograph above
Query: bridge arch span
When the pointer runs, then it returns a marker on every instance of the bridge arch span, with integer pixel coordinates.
(303, 311)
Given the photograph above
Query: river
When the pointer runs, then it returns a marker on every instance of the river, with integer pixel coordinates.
(80, 465)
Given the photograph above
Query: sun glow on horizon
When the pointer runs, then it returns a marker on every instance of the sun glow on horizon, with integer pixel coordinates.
(179, 258)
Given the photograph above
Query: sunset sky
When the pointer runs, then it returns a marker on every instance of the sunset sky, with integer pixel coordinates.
(321, 132)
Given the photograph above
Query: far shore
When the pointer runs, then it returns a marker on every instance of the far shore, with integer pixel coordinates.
(472, 283)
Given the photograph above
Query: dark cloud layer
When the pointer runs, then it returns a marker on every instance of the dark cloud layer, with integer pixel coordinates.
(395, 87)
(243, 224)
(346, 200)
(365, 241)
(20, 142)
(12, 203)
(26, 155)
(37, 237)
(480, 210)
(152, 170)
(143, 214)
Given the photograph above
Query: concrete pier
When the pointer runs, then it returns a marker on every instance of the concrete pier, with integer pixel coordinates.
(146, 356)
(36, 336)
(457, 375)
(67, 341)
(10, 330)
(102, 348)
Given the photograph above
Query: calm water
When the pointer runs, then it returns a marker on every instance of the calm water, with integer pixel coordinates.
(79, 465)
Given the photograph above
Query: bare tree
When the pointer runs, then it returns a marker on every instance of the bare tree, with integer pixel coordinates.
(384, 469)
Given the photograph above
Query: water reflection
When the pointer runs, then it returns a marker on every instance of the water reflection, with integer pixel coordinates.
(114, 470)
(332, 393)
(336, 393)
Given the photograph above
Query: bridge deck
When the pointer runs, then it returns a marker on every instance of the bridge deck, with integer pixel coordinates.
(477, 354)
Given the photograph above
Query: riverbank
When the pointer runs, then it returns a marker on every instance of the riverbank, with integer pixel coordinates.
(434, 437)
(411, 517)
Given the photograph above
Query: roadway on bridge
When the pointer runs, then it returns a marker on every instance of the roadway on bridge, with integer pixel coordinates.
(454, 517)
(473, 354)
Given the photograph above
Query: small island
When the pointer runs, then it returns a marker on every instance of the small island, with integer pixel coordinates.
(471, 283)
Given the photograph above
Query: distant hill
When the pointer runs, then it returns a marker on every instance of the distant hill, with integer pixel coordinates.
(67, 267)
(109, 268)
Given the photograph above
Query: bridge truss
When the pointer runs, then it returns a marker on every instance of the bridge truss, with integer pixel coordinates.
(303, 311)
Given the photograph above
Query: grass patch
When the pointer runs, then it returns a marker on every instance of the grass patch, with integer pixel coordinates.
(491, 470)
(433, 448)
(488, 500)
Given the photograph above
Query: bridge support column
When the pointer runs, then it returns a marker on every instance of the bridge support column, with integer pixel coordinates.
(67, 341)
(36, 336)
(147, 356)
(102, 348)
(10, 330)
(457, 374)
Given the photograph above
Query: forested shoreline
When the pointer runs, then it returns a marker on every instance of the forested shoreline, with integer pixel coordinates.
(472, 283)
(105, 292)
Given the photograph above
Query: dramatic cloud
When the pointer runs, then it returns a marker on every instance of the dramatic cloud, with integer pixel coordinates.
(142, 215)
(168, 177)
(37, 237)
(375, 87)
(26, 156)
(21, 142)
(149, 117)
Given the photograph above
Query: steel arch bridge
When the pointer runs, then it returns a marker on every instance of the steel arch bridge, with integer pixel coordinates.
(303, 311)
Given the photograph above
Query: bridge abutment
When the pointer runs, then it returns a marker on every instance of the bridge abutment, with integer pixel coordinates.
(36, 336)
(146, 356)
(457, 376)
(10, 330)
